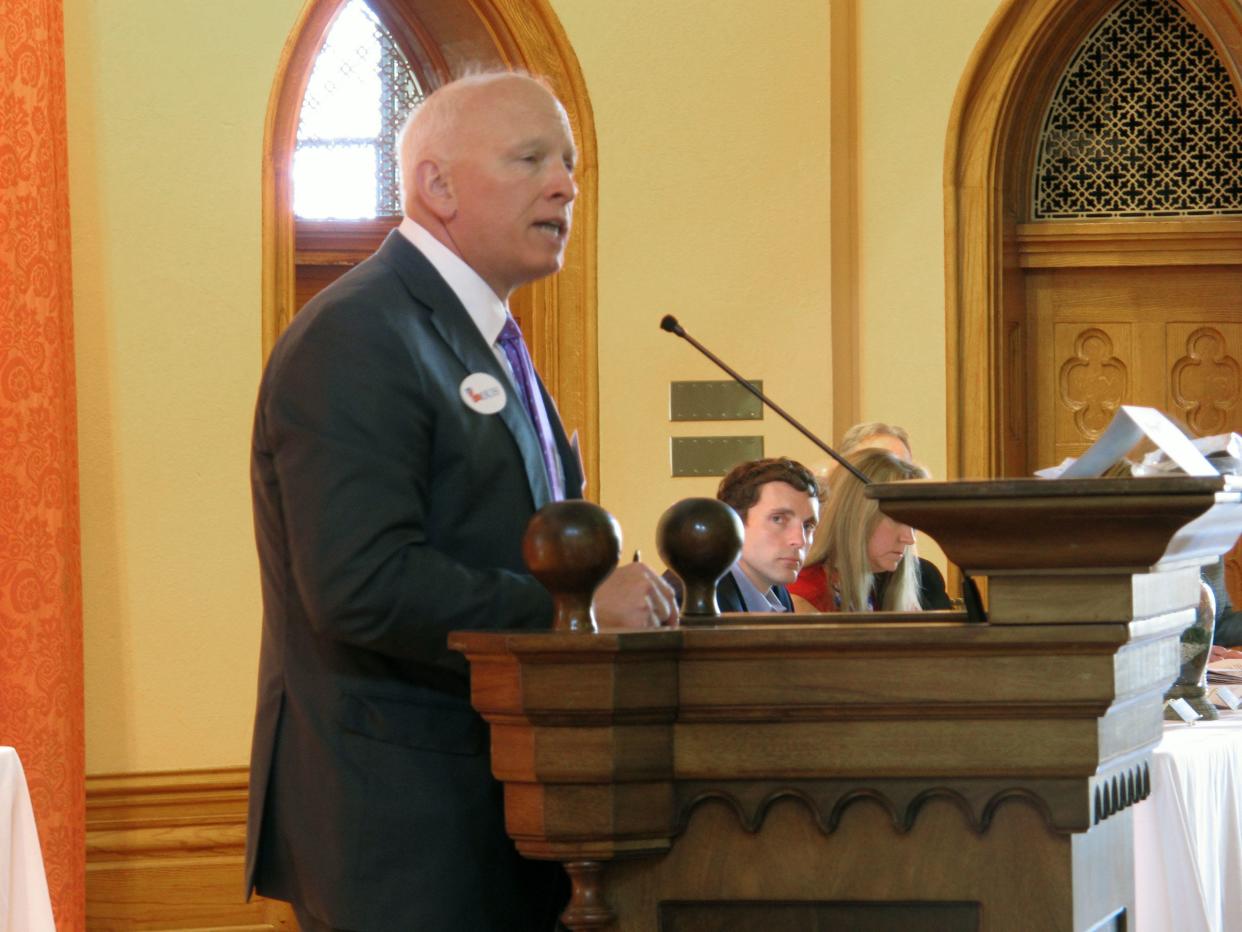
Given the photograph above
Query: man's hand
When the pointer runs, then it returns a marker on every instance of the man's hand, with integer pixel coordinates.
(633, 596)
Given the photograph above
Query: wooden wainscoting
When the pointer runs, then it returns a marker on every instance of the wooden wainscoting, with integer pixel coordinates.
(165, 851)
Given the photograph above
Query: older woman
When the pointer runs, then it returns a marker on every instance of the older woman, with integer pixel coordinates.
(855, 544)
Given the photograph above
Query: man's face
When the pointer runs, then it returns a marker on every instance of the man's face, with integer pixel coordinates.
(779, 527)
(513, 183)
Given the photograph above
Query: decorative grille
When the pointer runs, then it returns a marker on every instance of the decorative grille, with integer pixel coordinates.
(360, 91)
(1144, 123)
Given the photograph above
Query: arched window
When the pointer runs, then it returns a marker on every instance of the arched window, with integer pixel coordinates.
(1144, 123)
(350, 73)
(368, 72)
(361, 91)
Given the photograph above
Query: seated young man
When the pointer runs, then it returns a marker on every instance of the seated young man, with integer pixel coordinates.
(778, 502)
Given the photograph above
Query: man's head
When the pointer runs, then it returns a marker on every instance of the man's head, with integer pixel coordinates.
(878, 435)
(487, 166)
(778, 502)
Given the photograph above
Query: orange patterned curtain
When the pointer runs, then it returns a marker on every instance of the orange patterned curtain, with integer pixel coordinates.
(41, 704)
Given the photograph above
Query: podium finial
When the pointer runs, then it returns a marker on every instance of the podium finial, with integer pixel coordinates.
(571, 547)
(699, 539)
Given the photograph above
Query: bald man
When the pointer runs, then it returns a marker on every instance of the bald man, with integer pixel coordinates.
(401, 442)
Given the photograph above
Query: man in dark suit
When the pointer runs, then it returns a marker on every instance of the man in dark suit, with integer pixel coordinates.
(778, 502)
(401, 443)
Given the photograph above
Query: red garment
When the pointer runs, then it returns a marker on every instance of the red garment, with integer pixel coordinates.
(812, 585)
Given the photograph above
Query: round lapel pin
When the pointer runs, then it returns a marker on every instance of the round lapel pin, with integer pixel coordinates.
(482, 393)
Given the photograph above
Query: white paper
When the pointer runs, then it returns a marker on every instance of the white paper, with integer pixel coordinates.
(1227, 696)
(1130, 425)
(1225, 444)
(1185, 711)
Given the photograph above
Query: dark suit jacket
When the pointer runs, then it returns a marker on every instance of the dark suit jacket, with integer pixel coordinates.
(387, 514)
(728, 595)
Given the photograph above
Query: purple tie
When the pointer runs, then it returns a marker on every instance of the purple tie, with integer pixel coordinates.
(511, 342)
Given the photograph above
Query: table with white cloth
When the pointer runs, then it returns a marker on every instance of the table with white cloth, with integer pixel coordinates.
(1188, 834)
(24, 902)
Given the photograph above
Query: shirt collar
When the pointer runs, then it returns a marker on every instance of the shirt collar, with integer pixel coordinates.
(486, 310)
(752, 598)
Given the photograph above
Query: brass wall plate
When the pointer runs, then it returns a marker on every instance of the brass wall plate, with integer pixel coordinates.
(708, 400)
(713, 456)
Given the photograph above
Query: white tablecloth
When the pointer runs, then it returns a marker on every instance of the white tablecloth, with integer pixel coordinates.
(24, 902)
(1188, 834)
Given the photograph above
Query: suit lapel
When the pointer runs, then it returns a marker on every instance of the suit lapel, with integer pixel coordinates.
(728, 595)
(782, 596)
(571, 465)
(462, 337)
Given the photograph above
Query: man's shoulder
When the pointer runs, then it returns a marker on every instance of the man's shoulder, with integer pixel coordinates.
(728, 596)
(370, 297)
(385, 270)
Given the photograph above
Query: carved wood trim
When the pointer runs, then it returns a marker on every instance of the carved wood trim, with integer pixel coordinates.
(995, 119)
(522, 33)
(165, 850)
(1060, 802)
(318, 238)
(587, 907)
(1062, 244)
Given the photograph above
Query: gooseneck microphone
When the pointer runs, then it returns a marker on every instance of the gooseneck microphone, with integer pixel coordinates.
(669, 323)
(970, 590)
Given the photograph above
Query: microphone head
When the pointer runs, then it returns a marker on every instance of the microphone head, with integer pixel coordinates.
(669, 323)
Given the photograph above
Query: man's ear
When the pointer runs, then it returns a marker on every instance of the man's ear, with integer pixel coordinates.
(434, 187)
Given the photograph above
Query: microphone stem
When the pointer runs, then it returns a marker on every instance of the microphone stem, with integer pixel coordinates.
(774, 406)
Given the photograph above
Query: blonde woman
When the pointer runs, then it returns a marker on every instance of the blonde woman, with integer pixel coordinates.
(855, 544)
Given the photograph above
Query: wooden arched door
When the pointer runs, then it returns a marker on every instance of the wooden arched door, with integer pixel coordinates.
(1056, 316)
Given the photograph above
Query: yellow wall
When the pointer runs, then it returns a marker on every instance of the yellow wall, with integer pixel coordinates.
(712, 123)
(911, 57)
(712, 118)
(166, 109)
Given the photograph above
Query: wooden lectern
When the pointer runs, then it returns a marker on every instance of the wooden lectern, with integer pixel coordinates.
(872, 771)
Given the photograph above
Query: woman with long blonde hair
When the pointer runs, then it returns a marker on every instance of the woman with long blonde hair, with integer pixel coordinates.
(855, 543)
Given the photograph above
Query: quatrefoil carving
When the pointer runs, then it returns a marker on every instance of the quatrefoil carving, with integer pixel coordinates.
(1205, 382)
(1093, 382)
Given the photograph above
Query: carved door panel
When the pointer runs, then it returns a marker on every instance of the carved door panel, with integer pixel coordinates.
(1166, 337)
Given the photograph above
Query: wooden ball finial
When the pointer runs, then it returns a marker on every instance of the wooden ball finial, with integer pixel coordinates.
(571, 547)
(699, 539)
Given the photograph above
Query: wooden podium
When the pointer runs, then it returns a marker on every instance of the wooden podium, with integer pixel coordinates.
(872, 771)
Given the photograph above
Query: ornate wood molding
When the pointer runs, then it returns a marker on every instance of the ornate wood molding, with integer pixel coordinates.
(165, 850)
(1059, 802)
(1063, 244)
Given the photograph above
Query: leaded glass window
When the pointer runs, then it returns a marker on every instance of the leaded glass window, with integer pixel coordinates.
(1144, 123)
(361, 89)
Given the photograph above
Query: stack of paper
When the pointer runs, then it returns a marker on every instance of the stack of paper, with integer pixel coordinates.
(1225, 671)
(1223, 451)
(1175, 454)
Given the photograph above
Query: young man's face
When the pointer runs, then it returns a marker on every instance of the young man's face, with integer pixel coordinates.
(779, 527)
